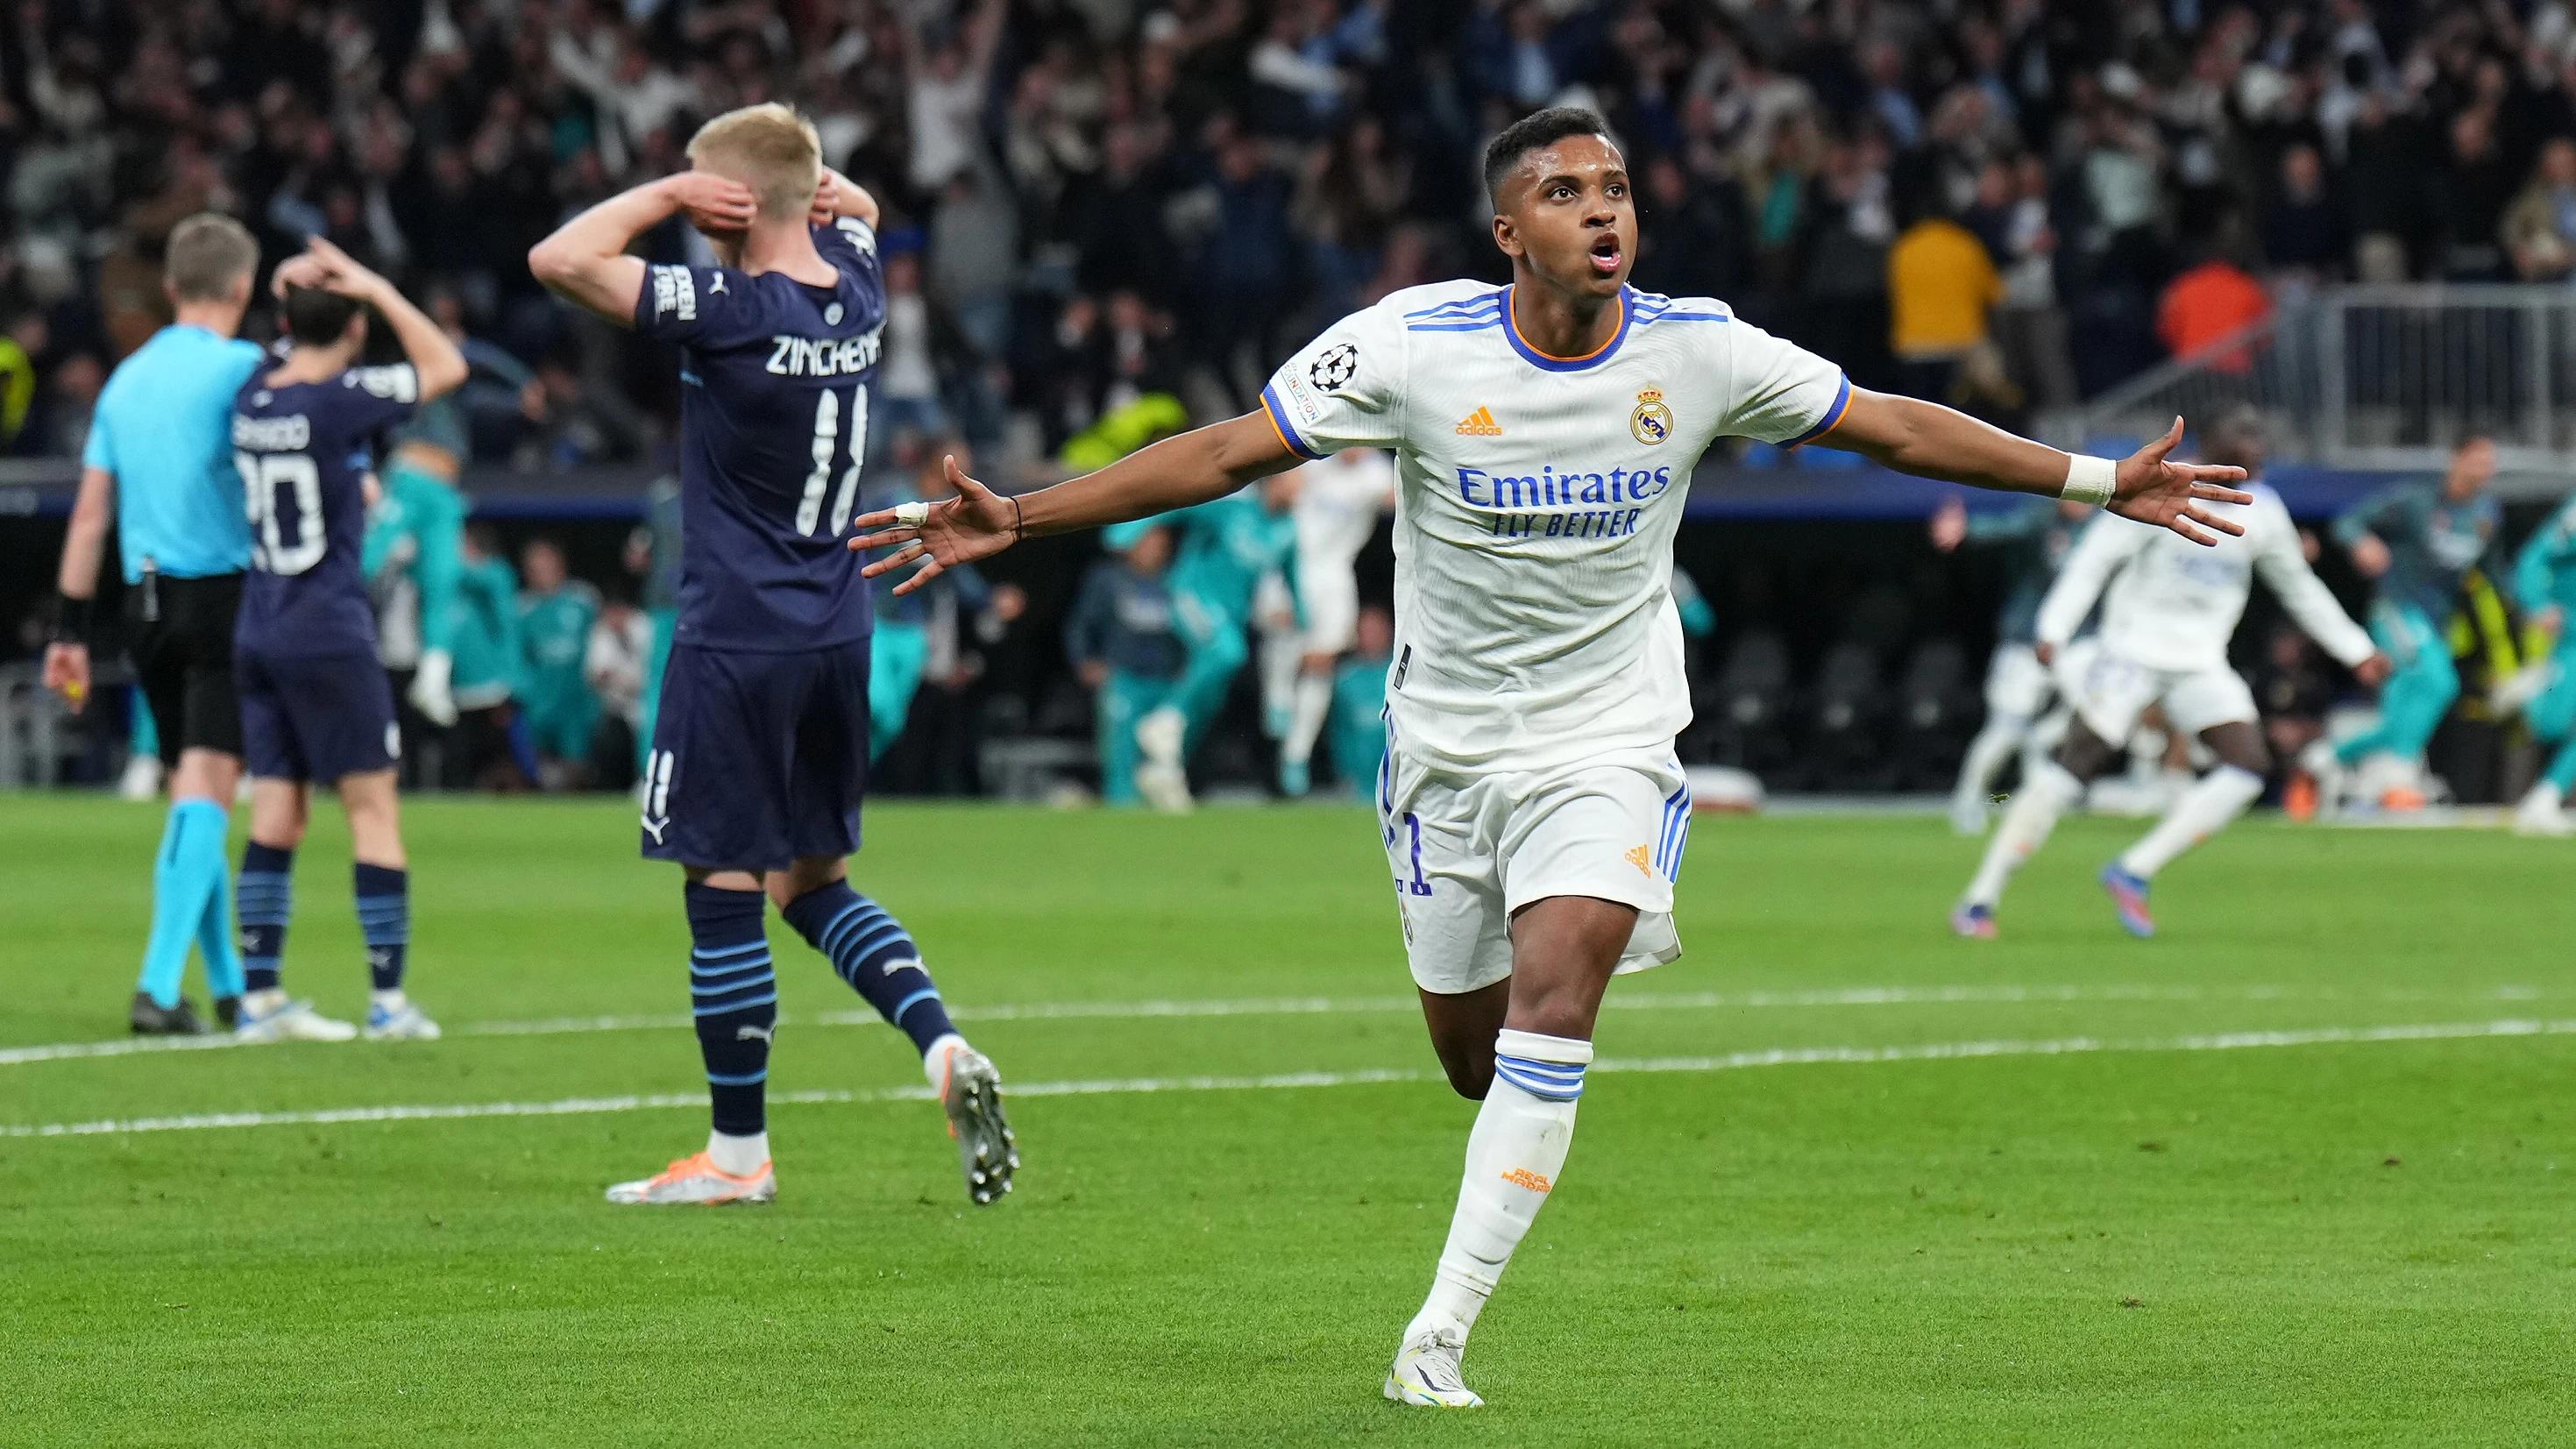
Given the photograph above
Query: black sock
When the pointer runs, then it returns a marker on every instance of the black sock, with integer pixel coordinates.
(872, 951)
(384, 919)
(734, 995)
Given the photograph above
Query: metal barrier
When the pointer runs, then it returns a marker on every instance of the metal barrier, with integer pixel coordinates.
(2378, 377)
(31, 733)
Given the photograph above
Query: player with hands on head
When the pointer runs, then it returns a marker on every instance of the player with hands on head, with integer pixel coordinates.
(1531, 804)
(316, 704)
(759, 759)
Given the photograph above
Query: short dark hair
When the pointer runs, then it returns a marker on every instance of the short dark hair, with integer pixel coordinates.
(1533, 131)
(316, 318)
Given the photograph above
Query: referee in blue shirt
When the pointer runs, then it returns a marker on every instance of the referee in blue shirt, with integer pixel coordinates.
(160, 454)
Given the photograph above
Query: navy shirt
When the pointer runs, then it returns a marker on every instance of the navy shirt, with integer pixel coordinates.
(303, 451)
(773, 428)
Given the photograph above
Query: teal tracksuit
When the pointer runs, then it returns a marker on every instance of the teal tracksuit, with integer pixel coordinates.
(2544, 575)
(1225, 547)
(554, 644)
(2432, 544)
(1359, 721)
(415, 535)
(486, 639)
(1124, 619)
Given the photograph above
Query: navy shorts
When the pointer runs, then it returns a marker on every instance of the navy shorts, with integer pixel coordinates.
(315, 717)
(758, 759)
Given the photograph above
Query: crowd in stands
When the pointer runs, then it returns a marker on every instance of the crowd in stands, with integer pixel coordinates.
(1093, 202)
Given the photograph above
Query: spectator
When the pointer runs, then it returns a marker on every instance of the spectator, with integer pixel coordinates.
(2030, 325)
(2474, 186)
(905, 398)
(619, 654)
(2307, 233)
(1940, 284)
(2208, 304)
(496, 754)
(1122, 644)
(2539, 230)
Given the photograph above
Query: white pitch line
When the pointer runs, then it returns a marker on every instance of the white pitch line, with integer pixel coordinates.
(1731, 1061)
(2003, 995)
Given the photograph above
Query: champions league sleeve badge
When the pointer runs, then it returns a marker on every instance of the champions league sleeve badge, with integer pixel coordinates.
(1336, 366)
(1652, 422)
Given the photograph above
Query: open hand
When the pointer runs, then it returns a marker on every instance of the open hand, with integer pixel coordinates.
(716, 205)
(977, 523)
(2153, 489)
(838, 196)
(324, 266)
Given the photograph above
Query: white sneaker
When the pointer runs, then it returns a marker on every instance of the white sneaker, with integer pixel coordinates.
(697, 1179)
(2521, 687)
(1426, 1372)
(1968, 815)
(2326, 768)
(406, 1022)
(142, 778)
(2543, 812)
(287, 1021)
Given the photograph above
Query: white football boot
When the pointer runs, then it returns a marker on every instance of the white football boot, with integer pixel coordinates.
(1426, 1372)
(405, 1022)
(2543, 812)
(697, 1179)
(1163, 779)
(970, 1090)
(267, 1016)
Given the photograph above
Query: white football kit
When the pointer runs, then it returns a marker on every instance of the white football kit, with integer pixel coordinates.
(1338, 503)
(1537, 683)
(2170, 610)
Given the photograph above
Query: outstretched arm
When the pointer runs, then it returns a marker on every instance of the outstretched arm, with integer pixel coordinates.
(1193, 467)
(585, 261)
(1931, 441)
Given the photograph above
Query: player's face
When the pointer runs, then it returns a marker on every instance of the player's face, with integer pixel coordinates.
(1568, 216)
(2472, 468)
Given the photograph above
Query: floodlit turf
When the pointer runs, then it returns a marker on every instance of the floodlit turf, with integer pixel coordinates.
(2365, 1241)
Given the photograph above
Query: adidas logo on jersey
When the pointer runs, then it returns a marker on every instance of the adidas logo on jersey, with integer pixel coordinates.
(1639, 858)
(1480, 424)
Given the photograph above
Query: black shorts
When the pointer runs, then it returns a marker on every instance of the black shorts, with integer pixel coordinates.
(758, 759)
(182, 645)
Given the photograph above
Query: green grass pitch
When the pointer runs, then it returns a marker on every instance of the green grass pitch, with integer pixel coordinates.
(2290, 1174)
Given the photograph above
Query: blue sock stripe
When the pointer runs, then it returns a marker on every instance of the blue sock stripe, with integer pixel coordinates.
(823, 937)
(1545, 1069)
(1539, 1078)
(746, 1079)
(852, 918)
(908, 1003)
(759, 975)
(705, 953)
(723, 1007)
(861, 952)
(761, 962)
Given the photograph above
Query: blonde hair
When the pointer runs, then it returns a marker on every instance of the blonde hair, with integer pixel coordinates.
(769, 148)
(206, 255)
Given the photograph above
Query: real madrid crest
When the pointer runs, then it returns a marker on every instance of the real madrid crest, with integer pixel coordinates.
(1652, 422)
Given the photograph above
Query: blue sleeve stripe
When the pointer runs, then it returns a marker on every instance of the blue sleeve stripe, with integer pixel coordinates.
(1287, 430)
(1833, 415)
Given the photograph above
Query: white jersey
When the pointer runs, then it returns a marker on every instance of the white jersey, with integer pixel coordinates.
(1536, 502)
(1338, 502)
(2174, 604)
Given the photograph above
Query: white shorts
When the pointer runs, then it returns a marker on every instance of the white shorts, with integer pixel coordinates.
(2017, 683)
(1330, 596)
(1468, 850)
(2110, 692)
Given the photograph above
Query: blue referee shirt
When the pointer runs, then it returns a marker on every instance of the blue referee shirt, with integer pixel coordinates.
(163, 426)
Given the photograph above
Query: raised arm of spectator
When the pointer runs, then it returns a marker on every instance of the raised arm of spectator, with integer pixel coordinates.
(1931, 441)
(1194, 467)
(585, 262)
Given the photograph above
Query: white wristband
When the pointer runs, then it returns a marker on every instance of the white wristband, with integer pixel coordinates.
(2090, 480)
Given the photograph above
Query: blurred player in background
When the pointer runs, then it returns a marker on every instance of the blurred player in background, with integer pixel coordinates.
(316, 703)
(2169, 609)
(1125, 648)
(653, 551)
(491, 728)
(1532, 808)
(902, 647)
(1226, 545)
(2416, 542)
(760, 751)
(556, 611)
(1338, 504)
(1359, 701)
(2544, 578)
(2033, 539)
(159, 465)
(413, 559)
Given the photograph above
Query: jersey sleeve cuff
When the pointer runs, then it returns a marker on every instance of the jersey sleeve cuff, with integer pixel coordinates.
(1833, 415)
(1287, 431)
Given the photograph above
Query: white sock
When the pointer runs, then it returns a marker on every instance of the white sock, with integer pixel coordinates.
(934, 1062)
(2046, 795)
(740, 1156)
(389, 1001)
(1986, 755)
(2199, 813)
(1310, 703)
(1513, 1158)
